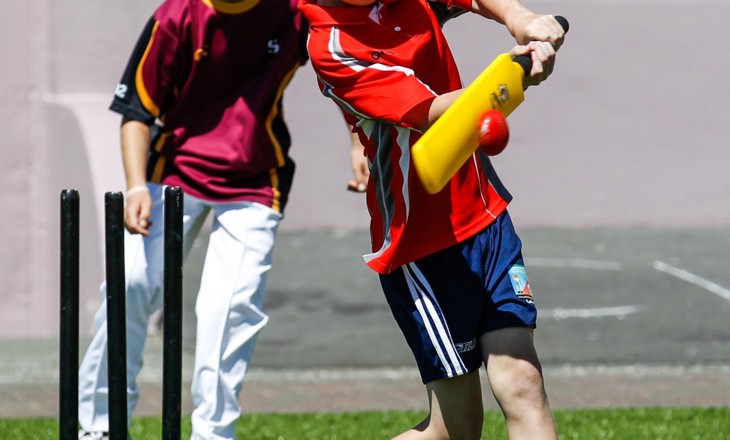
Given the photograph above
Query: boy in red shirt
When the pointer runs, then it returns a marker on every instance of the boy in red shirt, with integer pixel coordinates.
(450, 263)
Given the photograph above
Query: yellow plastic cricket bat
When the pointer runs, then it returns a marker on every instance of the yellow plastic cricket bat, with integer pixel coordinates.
(452, 139)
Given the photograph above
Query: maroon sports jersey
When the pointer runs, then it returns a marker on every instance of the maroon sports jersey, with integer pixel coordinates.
(210, 76)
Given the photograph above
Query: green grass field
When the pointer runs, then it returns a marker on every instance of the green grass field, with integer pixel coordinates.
(620, 424)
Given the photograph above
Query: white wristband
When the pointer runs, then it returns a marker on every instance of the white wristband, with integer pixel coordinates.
(135, 190)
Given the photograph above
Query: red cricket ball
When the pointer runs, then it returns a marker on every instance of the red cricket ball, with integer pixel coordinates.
(493, 132)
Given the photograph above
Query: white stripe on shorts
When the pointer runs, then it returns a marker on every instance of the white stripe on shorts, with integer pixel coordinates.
(428, 308)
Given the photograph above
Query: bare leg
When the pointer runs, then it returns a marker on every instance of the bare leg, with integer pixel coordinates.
(456, 411)
(515, 376)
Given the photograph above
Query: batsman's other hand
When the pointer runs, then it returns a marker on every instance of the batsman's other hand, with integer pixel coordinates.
(360, 168)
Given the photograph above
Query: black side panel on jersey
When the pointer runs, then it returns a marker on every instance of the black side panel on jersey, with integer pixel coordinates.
(126, 100)
(445, 13)
(285, 172)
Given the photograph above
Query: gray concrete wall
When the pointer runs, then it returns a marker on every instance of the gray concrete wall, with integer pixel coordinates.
(57, 134)
(629, 131)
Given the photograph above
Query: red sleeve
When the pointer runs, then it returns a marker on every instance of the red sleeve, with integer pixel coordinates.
(461, 4)
(374, 89)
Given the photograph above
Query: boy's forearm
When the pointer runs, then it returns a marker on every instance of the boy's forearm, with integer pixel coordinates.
(135, 139)
(439, 106)
(507, 12)
(522, 23)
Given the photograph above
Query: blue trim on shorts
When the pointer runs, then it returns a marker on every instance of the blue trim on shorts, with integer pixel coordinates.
(444, 302)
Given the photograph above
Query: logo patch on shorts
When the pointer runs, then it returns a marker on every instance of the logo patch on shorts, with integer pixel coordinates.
(462, 347)
(520, 284)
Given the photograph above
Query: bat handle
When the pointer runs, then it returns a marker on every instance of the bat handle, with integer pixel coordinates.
(526, 61)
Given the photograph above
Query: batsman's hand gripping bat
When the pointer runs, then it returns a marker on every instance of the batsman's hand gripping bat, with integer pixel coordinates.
(449, 142)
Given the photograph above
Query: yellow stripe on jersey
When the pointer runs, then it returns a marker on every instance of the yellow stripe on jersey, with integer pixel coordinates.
(232, 7)
(276, 202)
(160, 142)
(142, 92)
(157, 172)
(161, 160)
(274, 112)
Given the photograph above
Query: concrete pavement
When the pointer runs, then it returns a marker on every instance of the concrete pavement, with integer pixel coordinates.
(629, 317)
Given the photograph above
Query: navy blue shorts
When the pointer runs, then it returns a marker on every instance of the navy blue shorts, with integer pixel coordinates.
(444, 302)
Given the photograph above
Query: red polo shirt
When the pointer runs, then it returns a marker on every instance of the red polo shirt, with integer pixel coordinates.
(383, 65)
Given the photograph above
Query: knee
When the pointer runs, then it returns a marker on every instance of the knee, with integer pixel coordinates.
(456, 408)
(471, 430)
(519, 387)
(467, 427)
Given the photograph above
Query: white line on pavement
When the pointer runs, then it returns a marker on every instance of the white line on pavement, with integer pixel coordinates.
(329, 375)
(692, 279)
(596, 312)
(573, 263)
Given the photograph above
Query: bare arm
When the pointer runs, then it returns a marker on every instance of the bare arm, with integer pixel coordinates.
(135, 139)
(360, 169)
(443, 102)
(522, 23)
(439, 106)
(538, 35)
(541, 33)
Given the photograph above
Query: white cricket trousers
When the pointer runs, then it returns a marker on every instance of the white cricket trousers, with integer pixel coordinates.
(228, 311)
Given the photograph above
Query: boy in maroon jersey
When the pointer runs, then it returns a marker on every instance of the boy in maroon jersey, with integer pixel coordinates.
(450, 263)
(201, 100)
